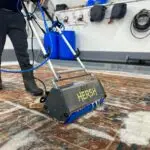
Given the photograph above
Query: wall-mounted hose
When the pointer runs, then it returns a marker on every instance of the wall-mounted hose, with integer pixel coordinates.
(141, 23)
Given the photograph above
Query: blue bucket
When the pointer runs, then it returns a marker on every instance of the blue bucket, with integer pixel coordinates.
(101, 1)
(90, 3)
(64, 51)
(51, 44)
(93, 2)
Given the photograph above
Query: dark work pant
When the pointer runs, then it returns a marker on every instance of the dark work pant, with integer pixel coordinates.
(14, 25)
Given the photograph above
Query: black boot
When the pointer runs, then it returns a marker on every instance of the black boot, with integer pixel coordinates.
(30, 84)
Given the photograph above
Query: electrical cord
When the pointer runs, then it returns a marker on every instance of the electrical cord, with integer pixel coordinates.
(139, 26)
(44, 86)
(33, 58)
(39, 26)
(19, 1)
(144, 27)
(32, 47)
(36, 7)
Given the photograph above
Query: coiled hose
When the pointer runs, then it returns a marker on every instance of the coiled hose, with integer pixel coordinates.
(141, 23)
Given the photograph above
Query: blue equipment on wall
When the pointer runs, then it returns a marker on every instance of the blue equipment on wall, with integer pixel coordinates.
(101, 1)
(93, 2)
(90, 3)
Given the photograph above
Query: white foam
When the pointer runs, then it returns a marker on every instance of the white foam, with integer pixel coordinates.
(117, 105)
(122, 74)
(91, 114)
(91, 132)
(21, 139)
(9, 111)
(101, 108)
(32, 111)
(137, 129)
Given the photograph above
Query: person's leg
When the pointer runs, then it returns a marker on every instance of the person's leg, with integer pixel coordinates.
(3, 31)
(18, 36)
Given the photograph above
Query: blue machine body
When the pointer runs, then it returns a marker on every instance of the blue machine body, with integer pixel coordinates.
(86, 109)
(72, 101)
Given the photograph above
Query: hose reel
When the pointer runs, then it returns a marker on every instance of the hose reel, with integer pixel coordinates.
(141, 21)
(141, 24)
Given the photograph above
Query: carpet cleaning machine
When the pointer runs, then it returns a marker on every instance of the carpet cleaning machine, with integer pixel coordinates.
(68, 102)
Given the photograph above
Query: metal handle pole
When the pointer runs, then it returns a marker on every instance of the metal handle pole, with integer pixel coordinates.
(65, 40)
(70, 47)
(43, 50)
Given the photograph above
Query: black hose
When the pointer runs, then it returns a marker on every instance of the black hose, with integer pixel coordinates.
(144, 27)
(140, 25)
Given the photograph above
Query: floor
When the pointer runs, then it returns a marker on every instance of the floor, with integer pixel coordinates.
(122, 123)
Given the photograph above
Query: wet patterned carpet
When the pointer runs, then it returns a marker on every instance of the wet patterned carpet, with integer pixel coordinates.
(123, 123)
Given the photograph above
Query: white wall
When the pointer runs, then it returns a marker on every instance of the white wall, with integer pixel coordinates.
(107, 37)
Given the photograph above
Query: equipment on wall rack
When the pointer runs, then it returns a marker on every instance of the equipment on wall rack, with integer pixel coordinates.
(118, 11)
(141, 24)
(97, 13)
(60, 7)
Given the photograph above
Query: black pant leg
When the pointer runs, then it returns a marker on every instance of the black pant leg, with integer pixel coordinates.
(3, 31)
(18, 36)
